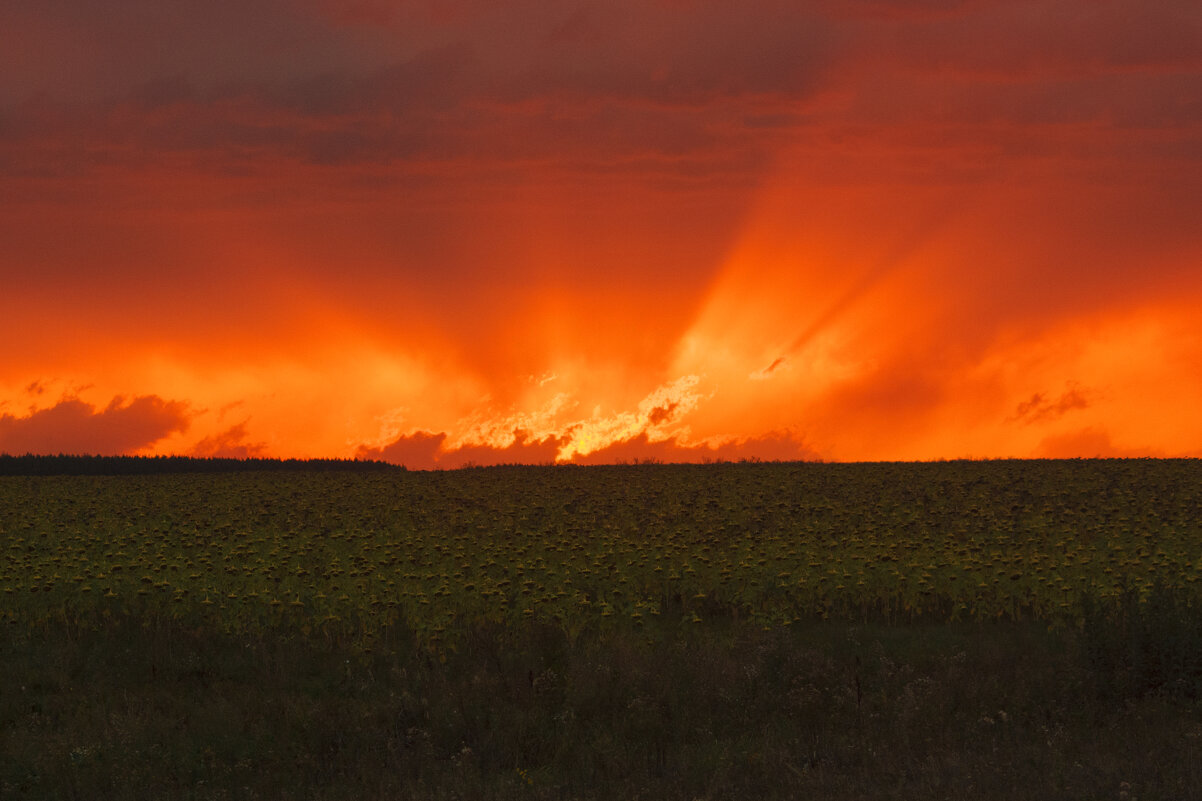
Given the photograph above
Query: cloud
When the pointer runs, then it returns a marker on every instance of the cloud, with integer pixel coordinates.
(550, 190)
(623, 85)
(764, 374)
(636, 85)
(523, 450)
(417, 451)
(1016, 41)
(901, 392)
(655, 413)
(423, 450)
(1039, 408)
(1087, 443)
(778, 446)
(545, 434)
(229, 444)
(73, 426)
(662, 414)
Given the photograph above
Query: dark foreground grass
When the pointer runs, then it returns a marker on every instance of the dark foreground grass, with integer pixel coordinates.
(830, 710)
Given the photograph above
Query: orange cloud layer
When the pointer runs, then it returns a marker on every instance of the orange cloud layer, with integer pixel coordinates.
(478, 232)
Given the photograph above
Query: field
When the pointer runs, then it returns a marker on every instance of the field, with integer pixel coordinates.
(666, 631)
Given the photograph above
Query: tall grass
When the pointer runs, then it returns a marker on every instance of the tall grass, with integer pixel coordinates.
(826, 710)
(1139, 644)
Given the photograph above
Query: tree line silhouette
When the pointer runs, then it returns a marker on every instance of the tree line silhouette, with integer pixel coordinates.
(85, 465)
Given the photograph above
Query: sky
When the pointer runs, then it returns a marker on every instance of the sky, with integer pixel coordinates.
(468, 232)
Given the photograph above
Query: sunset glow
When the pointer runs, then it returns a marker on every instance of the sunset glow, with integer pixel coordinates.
(453, 233)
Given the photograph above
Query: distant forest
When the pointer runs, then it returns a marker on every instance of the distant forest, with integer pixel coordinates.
(65, 465)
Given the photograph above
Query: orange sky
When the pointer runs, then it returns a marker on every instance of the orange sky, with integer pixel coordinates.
(441, 233)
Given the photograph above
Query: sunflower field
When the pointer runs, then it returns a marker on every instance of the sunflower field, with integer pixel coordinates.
(349, 557)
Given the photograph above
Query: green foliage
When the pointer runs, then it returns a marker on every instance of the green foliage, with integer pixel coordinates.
(355, 556)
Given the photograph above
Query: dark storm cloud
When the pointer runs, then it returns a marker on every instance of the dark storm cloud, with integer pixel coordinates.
(1016, 41)
(661, 53)
(580, 83)
(73, 426)
(590, 83)
(88, 50)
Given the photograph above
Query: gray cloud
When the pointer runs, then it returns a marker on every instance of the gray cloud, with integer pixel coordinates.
(73, 426)
(582, 83)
